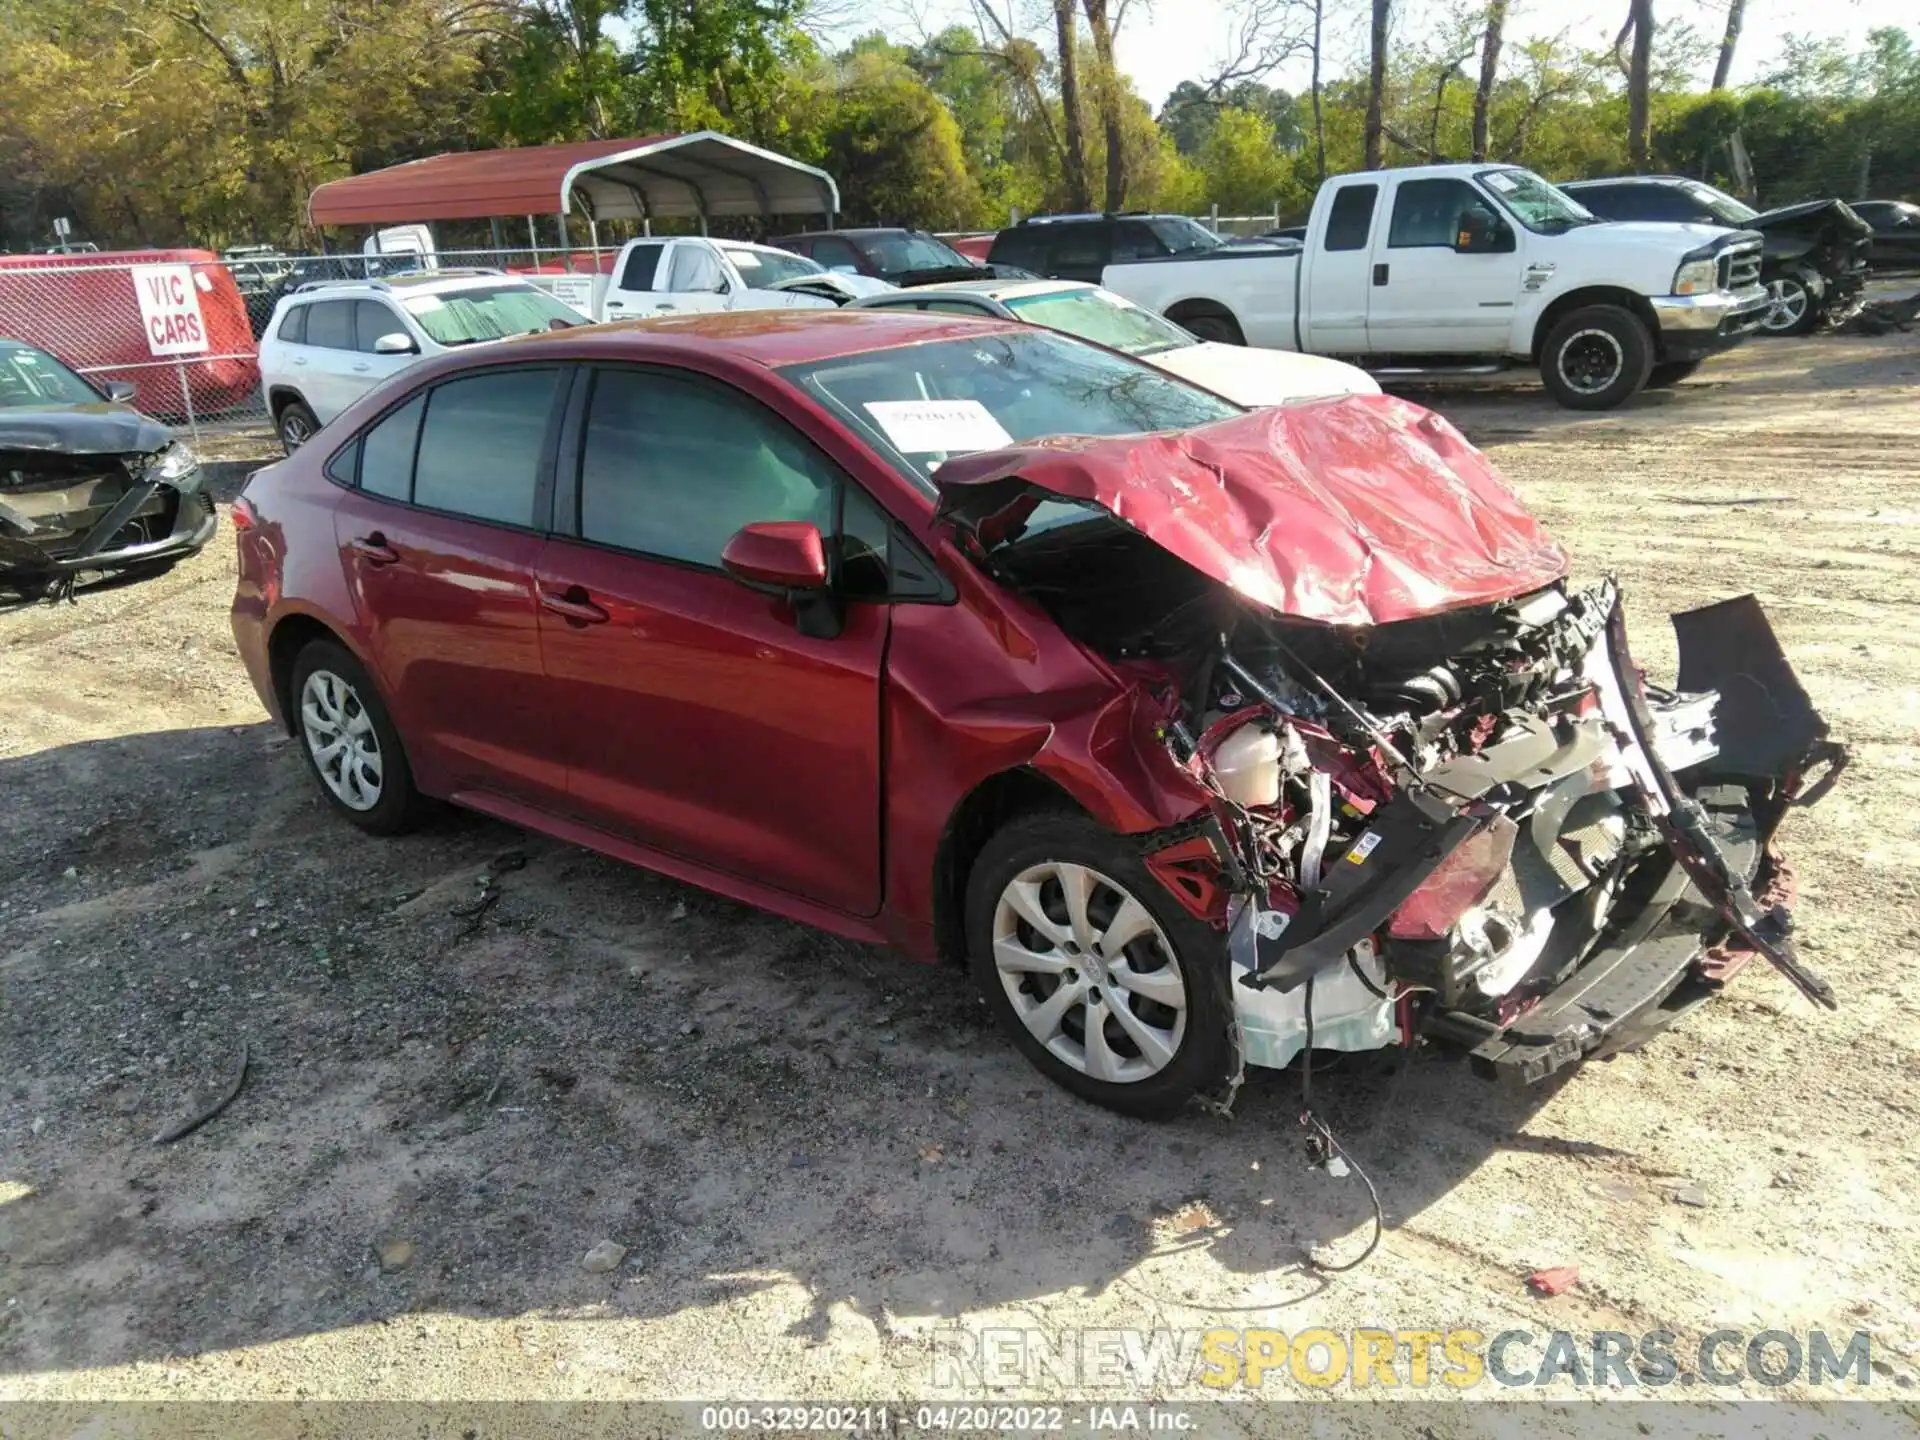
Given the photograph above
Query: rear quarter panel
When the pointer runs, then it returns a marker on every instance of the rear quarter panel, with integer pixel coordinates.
(1256, 289)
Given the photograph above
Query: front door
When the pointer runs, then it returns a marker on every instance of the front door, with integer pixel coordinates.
(439, 546)
(700, 720)
(1426, 297)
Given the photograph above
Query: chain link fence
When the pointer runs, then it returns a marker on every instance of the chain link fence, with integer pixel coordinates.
(183, 330)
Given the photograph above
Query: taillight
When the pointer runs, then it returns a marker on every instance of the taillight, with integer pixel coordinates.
(245, 517)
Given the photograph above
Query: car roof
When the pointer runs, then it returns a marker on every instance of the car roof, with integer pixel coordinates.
(414, 282)
(768, 338)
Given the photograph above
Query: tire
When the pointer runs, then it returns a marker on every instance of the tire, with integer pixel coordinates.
(1596, 357)
(1796, 308)
(1671, 372)
(295, 425)
(333, 699)
(1158, 1056)
(1212, 324)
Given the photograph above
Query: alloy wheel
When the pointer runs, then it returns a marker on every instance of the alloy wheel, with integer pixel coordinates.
(1788, 307)
(1089, 972)
(294, 430)
(341, 737)
(1591, 360)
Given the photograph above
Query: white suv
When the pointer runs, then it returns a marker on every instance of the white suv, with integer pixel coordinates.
(331, 341)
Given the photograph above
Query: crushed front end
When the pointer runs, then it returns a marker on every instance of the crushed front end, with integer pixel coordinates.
(1484, 827)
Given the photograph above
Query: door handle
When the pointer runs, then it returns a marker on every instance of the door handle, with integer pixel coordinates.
(668, 305)
(362, 367)
(299, 359)
(574, 605)
(616, 304)
(374, 549)
(1379, 274)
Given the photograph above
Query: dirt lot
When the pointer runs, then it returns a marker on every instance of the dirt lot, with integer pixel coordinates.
(816, 1154)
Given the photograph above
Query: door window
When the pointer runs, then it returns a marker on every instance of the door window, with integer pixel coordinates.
(1350, 220)
(1133, 240)
(642, 262)
(673, 468)
(293, 325)
(1427, 212)
(481, 444)
(1079, 247)
(693, 270)
(330, 324)
(371, 320)
(386, 452)
(831, 251)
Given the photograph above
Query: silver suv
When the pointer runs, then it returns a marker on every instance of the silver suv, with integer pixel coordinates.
(331, 341)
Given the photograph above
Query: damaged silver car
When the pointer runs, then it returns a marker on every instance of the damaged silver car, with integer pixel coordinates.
(88, 485)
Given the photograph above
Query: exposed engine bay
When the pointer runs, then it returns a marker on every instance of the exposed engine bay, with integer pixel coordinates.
(1482, 825)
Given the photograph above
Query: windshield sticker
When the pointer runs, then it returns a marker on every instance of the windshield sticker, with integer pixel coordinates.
(920, 427)
(1503, 183)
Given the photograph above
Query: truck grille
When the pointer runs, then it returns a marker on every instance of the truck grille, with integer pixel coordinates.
(1739, 267)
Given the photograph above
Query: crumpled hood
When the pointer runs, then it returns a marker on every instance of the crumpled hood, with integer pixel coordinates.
(1808, 216)
(101, 428)
(1363, 510)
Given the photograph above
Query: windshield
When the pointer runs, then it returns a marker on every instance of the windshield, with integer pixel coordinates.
(1724, 206)
(1534, 203)
(919, 405)
(1102, 317)
(465, 317)
(1181, 235)
(762, 269)
(902, 252)
(33, 377)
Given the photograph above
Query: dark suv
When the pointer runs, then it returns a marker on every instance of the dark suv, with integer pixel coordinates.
(1079, 247)
(1815, 262)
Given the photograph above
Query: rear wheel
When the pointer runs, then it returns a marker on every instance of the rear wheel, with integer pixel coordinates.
(351, 746)
(1103, 981)
(1210, 322)
(1671, 373)
(296, 425)
(1596, 357)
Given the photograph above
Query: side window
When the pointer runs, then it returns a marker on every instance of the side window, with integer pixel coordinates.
(673, 468)
(1350, 220)
(293, 325)
(1078, 247)
(831, 250)
(330, 324)
(371, 320)
(1427, 212)
(1023, 247)
(481, 444)
(642, 262)
(386, 452)
(1132, 240)
(693, 269)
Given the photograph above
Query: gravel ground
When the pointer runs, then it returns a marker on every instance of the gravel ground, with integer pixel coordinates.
(813, 1156)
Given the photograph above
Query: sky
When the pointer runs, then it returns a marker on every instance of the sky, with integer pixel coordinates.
(1163, 42)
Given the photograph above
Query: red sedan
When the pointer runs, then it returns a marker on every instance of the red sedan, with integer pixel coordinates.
(1203, 736)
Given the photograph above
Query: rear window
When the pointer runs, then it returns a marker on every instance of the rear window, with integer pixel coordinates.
(293, 325)
(1350, 220)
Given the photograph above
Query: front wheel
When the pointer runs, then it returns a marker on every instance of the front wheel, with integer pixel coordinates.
(1596, 358)
(1793, 310)
(1211, 323)
(1103, 981)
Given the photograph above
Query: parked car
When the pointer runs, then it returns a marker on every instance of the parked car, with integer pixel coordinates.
(332, 341)
(1896, 233)
(262, 274)
(87, 483)
(1815, 262)
(1080, 247)
(1246, 377)
(1441, 270)
(972, 638)
(694, 273)
(900, 257)
(83, 307)
(974, 246)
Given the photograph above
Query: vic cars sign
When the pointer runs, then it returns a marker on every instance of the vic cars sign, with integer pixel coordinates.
(170, 309)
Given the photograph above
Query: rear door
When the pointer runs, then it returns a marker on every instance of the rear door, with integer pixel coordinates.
(1339, 286)
(1078, 250)
(325, 365)
(1428, 299)
(699, 719)
(438, 539)
(630, 294)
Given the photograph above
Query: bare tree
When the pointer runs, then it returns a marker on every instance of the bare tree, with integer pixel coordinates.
(1490, 40)
(1377, 80)
(1073, 158)
(1319, 126)
(1736, 14)
(1639, 77)
(1019, 60)
(1107, 100)
(1449, 72)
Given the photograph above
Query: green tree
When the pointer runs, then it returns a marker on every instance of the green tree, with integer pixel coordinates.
(1242, 167)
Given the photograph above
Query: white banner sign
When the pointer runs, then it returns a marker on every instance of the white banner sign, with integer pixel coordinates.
(170, 309)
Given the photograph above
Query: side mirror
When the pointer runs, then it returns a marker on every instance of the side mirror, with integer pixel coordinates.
(121, 392)
(782, 555)
(1477, 233)
(395, 343)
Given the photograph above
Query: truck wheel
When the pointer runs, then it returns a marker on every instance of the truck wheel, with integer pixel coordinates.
(1105, 983)
(1670, 373)
(1596, 358)
(1209, 322)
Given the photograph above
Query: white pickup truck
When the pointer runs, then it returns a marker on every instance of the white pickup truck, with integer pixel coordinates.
(677, 276)
(1467, 269)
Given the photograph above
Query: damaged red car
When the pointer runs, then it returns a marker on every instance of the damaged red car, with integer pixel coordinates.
(1202, 736)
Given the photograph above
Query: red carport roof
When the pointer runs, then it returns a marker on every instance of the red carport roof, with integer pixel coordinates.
(644, 177)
